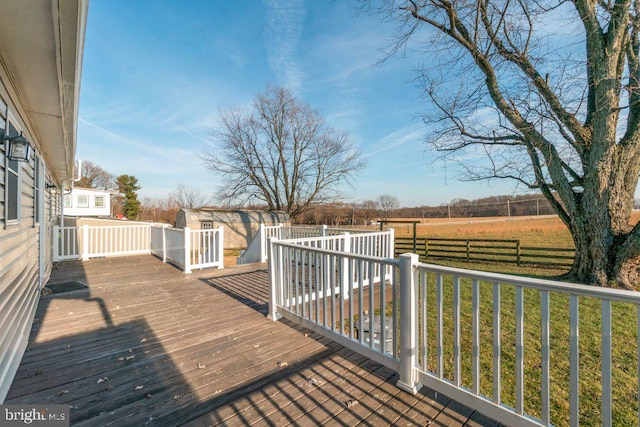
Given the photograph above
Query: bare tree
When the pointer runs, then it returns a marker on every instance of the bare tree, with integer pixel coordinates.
(93, 176)
(158, 209)
(369, 210)
(189, 197)
(282, 153)
(387, 204)
(566, 106)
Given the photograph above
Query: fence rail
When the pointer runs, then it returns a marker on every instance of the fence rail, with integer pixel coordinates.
(491, 341)
(485, 250)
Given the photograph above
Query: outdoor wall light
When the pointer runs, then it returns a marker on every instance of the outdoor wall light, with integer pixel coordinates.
(18, 147)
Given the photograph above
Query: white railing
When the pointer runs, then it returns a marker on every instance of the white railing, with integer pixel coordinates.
(99, 241)
(189, 249)
(328, 290)
(464, 333)
(206, 248)
(257, 250)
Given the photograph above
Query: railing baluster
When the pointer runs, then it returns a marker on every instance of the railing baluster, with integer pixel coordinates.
(371, 304)
(360, 300)
(574, 362)
(341, 283)
(310, 285)
(519, 350)
(545, 359)
(383, 311)
(296, 284)
(496, 343)
(318, 284)
(332, 279)
(325, 288)
(351, 271)
(606, 363)
(439, 349)
(425, 336)
(303, 283)
(475, 345)
(456, 331)
(396, 309)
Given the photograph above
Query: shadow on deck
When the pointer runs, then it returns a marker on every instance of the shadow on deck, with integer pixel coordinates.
(145, 344)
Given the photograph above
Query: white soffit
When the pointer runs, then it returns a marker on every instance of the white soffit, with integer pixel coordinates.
(41, 43)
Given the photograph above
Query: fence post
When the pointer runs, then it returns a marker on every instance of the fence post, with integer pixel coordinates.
(274, 285)
(84, 253)
(408, 325)
(468, 251)
(323, 230)
(221, 247)
(187, 250)
(518, 252)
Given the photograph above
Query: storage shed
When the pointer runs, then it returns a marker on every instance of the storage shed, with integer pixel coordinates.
(240, 225)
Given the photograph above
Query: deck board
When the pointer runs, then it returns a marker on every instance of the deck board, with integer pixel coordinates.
(145, 344)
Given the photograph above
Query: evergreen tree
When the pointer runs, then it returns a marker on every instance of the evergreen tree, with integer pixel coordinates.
(128, 185)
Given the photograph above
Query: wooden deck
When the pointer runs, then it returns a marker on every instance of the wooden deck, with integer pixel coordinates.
(145, 344)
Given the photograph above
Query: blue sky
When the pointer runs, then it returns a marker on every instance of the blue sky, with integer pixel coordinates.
(157, 73)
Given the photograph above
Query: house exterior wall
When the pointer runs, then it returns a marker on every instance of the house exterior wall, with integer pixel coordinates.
(40, 62)
(25, 243)
(240, 226)
(85, 202)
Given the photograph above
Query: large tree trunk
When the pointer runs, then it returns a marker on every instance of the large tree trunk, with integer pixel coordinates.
(607, 245)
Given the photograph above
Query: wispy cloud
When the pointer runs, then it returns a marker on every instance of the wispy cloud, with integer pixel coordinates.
(283, 33)
(396, 139)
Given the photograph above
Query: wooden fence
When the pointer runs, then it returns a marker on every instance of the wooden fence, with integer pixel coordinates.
(484, 250)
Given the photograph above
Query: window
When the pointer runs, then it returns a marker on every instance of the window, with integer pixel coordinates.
(206, 225)
(83, 201)
(67, 201)
(12, 185)
(98, 202)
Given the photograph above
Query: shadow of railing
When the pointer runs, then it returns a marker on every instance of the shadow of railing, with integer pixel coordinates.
(249, 288)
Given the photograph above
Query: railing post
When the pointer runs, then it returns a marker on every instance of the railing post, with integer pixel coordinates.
(56, 241)
(344, 263)
(164, 244)
(323, 230)
(408, 323)
(84, 253)
(221, 247)
(274, 285)
(392, 245)
(187, 250)
(263, 243)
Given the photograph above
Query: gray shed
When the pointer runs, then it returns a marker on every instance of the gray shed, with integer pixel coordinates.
(240, 225)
